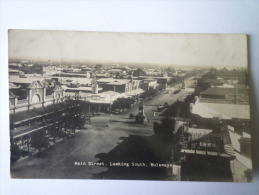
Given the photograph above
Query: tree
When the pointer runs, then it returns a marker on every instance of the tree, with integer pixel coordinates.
(122, 103)
(39, 139)
(165, 129)
(98, 67)
(212, 74)
(149, 93)
(170, 70)
(36, 68)
(176, 110)
(164, 138)
(15, 152)
(139, 72)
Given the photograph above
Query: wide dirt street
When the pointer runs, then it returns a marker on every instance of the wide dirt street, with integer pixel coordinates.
(123, 141)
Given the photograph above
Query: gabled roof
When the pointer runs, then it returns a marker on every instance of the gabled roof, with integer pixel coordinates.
(207, 112)
(57, 88)
(105, 80)
(199, 134)
(115, 70)
(28, 80)
(111, 93)
(224, 111)
(212, 81)
(231, 110)
(36, 84)
(11, 86)
(116, 82)
(111, 81)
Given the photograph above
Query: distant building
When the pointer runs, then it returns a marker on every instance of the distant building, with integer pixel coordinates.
(14, 66)
(153, 72)
(101, 93)
(139, 72)
(14, 72)
(207, 83)
(118, 85)
(161, 81)
(119, 72)
(70, 74)
(147, 84)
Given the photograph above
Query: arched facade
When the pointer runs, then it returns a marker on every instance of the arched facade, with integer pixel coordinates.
(58, 94)
(35, 98)
(36, 93)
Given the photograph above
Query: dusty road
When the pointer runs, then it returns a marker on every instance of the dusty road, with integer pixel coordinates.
(122, 141)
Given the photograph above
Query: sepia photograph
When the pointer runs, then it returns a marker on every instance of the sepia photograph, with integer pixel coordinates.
(129, 106)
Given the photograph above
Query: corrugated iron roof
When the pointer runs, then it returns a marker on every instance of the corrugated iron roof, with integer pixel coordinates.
(225, 91)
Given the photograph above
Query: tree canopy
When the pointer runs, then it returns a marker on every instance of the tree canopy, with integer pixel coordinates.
(122, 103)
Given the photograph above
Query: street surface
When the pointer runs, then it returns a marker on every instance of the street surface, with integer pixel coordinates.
(122, 141)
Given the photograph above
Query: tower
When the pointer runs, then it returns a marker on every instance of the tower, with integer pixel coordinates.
(94, 86)
(141, 110)
(141, 117)
(183, 84)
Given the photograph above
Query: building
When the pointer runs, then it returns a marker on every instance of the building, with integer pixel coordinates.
(71, 74)
(25, 94)
(118, 85)
(102, 92)
(117, 72)
(227, 112)
(225, 95)
(241, 166)
(15, 72)
(147, 84)
(222, 111)
(139, 72)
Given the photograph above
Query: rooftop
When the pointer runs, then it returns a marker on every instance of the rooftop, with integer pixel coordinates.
(236, 145)
(79, 88)
(28, 80)
(231, 110)
(198, 133)
(111, 81)
(77, 80)
(207, 112)
(224, 91)
(115, 70)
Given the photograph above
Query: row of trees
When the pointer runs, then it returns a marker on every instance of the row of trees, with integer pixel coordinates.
(178, 79)
(149, 93)
(122, 103)
(36, 68)
(60, 121)
(210, 78)
(175, 80)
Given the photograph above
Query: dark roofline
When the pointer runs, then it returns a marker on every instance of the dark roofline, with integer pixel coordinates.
(223, 91)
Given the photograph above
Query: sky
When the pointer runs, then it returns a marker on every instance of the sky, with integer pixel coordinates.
(156, 48)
